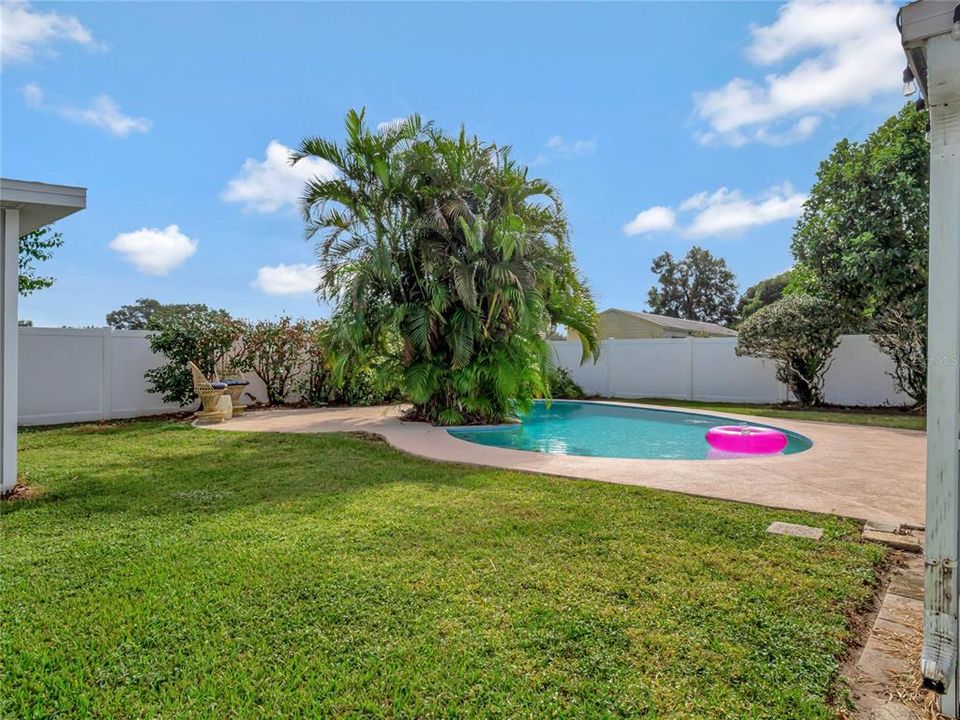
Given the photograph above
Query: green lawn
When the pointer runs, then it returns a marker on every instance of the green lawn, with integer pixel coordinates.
(891, 418)
(159, 571)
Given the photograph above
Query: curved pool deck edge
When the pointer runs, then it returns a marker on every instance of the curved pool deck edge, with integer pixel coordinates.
(867, 473)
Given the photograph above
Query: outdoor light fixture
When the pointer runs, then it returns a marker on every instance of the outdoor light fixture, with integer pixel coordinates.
(930, 33)
(909, 86)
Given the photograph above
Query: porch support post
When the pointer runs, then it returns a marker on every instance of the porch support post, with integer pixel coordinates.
(9, 346)
(940, 666)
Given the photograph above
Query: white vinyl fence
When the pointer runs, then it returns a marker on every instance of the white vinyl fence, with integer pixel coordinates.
(69, 375)
(708, 369)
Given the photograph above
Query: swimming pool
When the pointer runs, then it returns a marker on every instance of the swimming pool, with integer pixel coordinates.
(600, 430)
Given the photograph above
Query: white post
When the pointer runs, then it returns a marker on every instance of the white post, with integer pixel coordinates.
(606, 352)
(940, 652)
(9, 346)
(106, 375)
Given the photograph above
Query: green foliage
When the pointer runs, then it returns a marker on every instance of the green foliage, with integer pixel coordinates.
(36, 246)
(201, 336)
(358, 383)
(904, 338)
(863, 234)
(313, 382)
(562, 385)
(446, 264)
(698, 286)
(863, 231)
(799, 333)
(766, 292)
(170, 572)
(803, 281)
(148, 314)
(276, 351)
(365, 385)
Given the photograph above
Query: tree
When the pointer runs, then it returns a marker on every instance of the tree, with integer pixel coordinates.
(699, 286)
(800, 333)
(766, 292)
(148, 314)
(201, 336)
(36, 246)
(446, 263)
(863, 235)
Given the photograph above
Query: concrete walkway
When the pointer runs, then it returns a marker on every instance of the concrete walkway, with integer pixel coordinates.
(866, 473)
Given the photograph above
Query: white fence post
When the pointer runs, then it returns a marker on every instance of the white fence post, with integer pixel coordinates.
(106, 376)
(605, 347)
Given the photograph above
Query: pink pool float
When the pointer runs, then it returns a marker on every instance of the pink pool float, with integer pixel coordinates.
(746, 439)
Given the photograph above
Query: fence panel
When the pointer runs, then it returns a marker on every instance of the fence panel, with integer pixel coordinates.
(720, 375)
(592, 377)
(860, 375)
(650, 368)
(72, 375)
(69, 375)
(708, 369)
(130, 357)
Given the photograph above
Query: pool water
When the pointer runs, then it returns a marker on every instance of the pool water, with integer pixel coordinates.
(599, 430)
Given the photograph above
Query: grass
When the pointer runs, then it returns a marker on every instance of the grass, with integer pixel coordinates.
(877, 417)
(160, 571)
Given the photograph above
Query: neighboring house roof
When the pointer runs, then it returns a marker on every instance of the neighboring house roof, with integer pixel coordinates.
(672, 323)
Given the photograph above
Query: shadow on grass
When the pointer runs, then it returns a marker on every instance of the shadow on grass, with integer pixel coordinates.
(160, 468)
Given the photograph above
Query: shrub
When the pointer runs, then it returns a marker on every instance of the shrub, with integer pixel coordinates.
(363, 385)
(800, 333)
(314, 383)
(898, 333)
(275, 350)
(202, 336)
(563, 386)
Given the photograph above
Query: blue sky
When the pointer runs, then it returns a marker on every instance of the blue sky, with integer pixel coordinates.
(663, 125)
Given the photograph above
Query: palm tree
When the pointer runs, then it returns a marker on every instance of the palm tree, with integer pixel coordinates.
(446, 263)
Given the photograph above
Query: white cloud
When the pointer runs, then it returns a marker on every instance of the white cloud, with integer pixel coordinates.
(571, 148)
(390, 124)
(271, 184)
(656, 219)
(721, 212)
(558, 147)
(847, 53)
(284, 279)
(25, 32)
(154, 251)
(103, 112)
(728, 212)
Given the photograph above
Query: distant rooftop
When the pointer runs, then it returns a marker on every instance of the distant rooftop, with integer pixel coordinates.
(677, 323)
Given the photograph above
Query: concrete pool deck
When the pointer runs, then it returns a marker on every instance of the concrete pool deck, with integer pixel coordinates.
(868, 473)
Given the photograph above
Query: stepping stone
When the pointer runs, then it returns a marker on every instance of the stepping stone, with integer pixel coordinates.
(898, 541)
(803, 531)
(879, 526)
